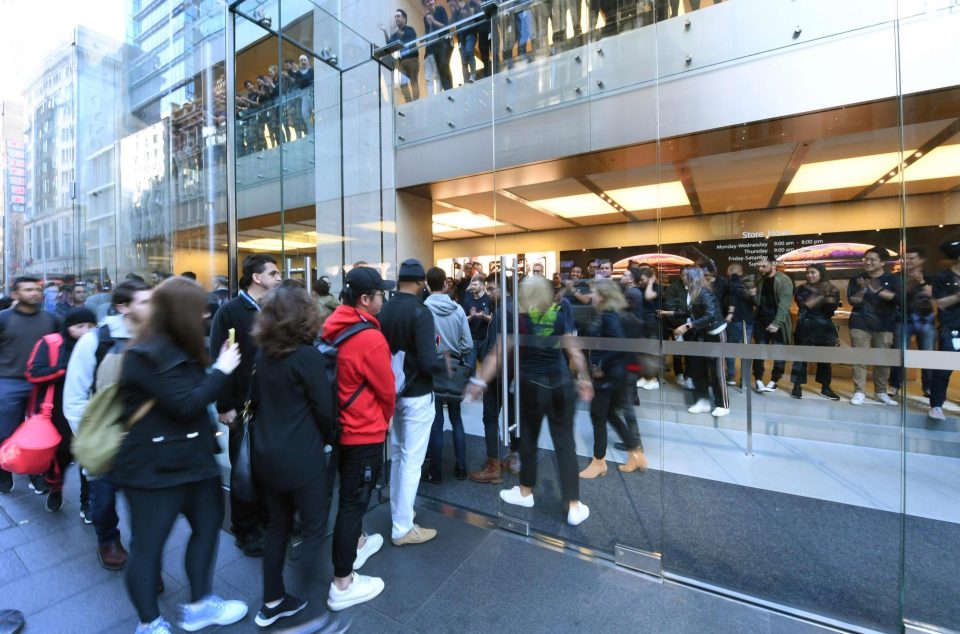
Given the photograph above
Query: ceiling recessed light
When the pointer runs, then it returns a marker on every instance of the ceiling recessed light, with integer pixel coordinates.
(858, 171)
(669, 194)
(576, 206)
(457, 220)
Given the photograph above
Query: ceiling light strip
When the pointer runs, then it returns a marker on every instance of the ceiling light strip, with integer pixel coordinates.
(446, 205)
(532, 205)
(596, 189)
(938, 139)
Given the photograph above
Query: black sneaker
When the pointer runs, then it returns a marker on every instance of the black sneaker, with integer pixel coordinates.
(251, 544)
(39, 485)
(460, 473)
(54, 501)
(85, 512)
(288, 607)
(429, 477)
(797, 391)
(6, 481)
(830, 394)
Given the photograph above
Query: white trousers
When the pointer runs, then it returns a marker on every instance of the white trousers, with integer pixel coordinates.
(409, 437)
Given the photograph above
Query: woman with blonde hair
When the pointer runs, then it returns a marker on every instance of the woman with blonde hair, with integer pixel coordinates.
(609, 374)
(546, 388)
(703, 322)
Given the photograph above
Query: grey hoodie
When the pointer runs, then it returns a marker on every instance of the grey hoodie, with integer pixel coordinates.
(450, 321)
(80, 379)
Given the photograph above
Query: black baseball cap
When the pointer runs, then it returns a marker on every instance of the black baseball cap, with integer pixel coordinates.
(364, 279)
(411, 271)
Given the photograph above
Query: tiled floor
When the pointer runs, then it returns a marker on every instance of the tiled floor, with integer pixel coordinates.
(469, 579)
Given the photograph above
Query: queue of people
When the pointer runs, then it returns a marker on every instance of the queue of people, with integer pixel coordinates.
(311, 389)
(519, 31)
(276, 106)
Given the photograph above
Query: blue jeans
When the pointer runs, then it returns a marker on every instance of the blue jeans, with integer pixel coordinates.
(103, 509)
(926, 336)
(735, 335)
(14, 394)
(436, 436)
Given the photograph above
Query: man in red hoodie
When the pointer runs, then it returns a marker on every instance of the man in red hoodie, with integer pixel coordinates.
(367, 396)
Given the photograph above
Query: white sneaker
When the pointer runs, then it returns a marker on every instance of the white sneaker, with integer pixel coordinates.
(772, 386)
(652, 384)
(720, 411)
(577, 515)
(936, 413)
(361, 589)
(688, 383)
(857, 398)
(702, 406)
(681, 381)
(514, 496)
(769, 387)
(371, 546)
(885, 399)
(212, 611)
(732, 382)
(642, 383)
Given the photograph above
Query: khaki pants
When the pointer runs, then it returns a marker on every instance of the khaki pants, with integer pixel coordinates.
(870, 339)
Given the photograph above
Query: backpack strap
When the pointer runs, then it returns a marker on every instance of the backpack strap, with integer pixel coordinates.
(351, 331)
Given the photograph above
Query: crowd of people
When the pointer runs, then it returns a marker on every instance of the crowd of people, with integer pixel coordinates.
(276, 106)
(314, 387)
(519, 31)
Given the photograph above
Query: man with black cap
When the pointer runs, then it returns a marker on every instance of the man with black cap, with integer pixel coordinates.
(946, 293)
(367, 398)
(408, 326)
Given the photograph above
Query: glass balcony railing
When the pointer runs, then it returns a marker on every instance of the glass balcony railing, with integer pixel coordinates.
(496, 60)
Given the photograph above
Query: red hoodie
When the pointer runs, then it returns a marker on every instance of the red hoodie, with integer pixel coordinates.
(363, 357)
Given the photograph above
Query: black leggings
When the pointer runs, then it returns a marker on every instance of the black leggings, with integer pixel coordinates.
(607, 405)
(152, 514)
(312, 501)
(557, 403)
(359, 471)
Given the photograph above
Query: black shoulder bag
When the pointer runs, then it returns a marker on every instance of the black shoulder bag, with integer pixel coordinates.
(241, 472)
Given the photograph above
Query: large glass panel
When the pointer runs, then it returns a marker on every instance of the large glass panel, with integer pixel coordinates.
(796, 467)
(931, 175)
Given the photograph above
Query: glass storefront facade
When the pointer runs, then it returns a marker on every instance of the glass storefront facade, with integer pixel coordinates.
(778, 145)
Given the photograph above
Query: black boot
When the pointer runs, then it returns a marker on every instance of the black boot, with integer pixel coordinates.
(826, 392)
(797, 391)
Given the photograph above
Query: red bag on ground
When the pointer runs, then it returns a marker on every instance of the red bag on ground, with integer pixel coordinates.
(32, 447)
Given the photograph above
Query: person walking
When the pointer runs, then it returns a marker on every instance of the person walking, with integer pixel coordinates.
(166, 463)
(47, 370)
(20, 328)
(546, 389)
(366, 397)
(608, 371)
(409, 329)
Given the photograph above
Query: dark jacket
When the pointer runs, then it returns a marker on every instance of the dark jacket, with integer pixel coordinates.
(675, 299)
(408, 326)
(174, 443)
(239, 313)
(612, 363)
(291, 396)
(703, 312)
(739, 298)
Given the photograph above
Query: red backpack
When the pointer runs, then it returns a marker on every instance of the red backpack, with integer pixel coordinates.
(32, 447)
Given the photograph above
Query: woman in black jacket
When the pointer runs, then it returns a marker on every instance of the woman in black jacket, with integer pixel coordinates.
(817, 301)
(293, 404)
(609, 374)
(704, 322)
(166, 463)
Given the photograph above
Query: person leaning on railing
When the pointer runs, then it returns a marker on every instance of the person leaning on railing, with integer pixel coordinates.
(409, 60)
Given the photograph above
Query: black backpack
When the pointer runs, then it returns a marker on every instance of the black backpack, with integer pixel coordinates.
(329, 350)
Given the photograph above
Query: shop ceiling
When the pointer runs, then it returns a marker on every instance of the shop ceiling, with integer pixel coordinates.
(840, 155)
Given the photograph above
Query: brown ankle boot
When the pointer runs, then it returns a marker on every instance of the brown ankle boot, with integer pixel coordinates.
(490, 474)
(636, 460)
(596, 469)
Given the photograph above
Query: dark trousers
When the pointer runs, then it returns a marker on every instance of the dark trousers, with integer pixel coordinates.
(442, 57)
(152, 514)
(312, 501)
(103, 509)
(941, 378)
(483, 43)
(557, 404)
(84, 487)
(62, 459)
(436, 436)
(762, 336)
(491, 420)
(798, 374)
(606, 406)
(628, 399)
(359, 471)
(245, 517)
(710, 373)
(925, 335)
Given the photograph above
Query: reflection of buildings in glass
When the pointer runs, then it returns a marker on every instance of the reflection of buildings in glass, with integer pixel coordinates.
(144, 228)
(13, 189)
